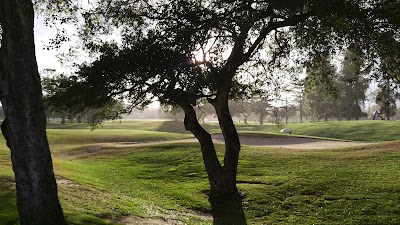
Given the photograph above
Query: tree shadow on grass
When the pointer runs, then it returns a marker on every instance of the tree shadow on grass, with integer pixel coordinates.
(228, 211)
(173, 127)
(8, 207)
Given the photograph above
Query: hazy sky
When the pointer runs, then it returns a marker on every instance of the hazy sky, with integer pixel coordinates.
(46, 58)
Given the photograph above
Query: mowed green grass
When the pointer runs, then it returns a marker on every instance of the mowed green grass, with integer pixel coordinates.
(368, 131)
(362, 130)
(99, 181)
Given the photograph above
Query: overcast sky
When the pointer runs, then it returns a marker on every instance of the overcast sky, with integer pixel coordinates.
(46, 58)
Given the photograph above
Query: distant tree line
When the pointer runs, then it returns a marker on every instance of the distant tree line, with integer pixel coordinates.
(329, 94)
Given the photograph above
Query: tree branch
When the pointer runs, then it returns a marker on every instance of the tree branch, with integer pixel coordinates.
(273, 26)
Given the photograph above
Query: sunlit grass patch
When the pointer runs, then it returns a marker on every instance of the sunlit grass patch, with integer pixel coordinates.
(366, 130)
(323, 186)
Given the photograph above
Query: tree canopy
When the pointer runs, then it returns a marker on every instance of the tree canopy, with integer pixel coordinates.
(200, 40)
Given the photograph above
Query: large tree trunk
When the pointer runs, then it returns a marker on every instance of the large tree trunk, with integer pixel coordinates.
(211, 162)
(25, 126)
(232, 146)
(227, 203)
(224, 198)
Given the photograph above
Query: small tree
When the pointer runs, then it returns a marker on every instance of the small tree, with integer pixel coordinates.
(173, 112)
(241, 108)
(260, 107)
(297, 88)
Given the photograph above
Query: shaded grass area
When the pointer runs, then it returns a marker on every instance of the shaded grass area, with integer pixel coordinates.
(352, 186)
(86, 136)
(164, 180)
(8, 209)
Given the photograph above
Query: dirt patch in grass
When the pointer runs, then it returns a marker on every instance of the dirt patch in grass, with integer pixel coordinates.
(62, 182)
(276, 142)
(373, 150)
(292, 142)
(134, 220)
(387, 146)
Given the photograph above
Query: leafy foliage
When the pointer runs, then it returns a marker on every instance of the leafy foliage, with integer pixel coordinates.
(386, 98)
(67, 103)
(168, 50)
(341, 95)
(352, 85)
(320, 87)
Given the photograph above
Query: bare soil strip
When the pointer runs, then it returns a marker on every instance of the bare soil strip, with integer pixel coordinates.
(281, 142)
(293, 142)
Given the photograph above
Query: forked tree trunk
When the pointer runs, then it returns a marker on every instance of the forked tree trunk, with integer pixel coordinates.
(25, 124)
(226, 203)
(211, 162)
(222, 178)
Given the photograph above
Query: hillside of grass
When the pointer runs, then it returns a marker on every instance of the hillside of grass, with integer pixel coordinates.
(366, 130)
(362, 130)
(355, 186)
(100, 183)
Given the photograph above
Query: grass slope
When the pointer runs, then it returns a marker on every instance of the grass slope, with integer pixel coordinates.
(372, 130)
(362, 130)
(98, 181)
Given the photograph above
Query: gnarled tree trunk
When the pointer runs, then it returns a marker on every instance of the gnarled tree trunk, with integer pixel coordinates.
(25, 124)
(211, 162)
(226, 203)
(232, 145)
